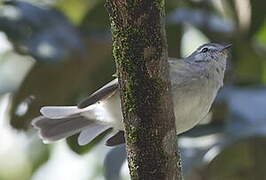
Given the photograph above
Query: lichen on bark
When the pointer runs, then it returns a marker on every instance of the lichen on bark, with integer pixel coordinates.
(140, 52)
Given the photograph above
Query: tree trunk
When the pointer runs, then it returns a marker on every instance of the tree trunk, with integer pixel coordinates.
(140, 52)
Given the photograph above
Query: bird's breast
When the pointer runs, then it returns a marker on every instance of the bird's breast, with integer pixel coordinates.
(192, 103)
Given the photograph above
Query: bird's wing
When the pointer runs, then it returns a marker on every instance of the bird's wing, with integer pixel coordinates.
(178, 70)
(106, 91)
(183, 73)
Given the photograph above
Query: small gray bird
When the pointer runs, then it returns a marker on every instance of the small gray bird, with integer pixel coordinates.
(195, 81)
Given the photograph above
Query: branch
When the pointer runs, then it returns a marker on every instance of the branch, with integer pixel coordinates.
(140, 52)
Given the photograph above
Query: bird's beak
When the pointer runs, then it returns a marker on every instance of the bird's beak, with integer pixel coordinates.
(226, 47)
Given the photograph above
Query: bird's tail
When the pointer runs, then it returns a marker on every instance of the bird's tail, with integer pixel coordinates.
(58, 122)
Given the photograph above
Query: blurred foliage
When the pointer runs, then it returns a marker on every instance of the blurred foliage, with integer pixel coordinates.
(76, 9)
(248, 159)
(66, 45)
(39, 156)
(49, 42)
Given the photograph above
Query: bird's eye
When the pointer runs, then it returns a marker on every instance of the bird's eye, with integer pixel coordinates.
(204, 50)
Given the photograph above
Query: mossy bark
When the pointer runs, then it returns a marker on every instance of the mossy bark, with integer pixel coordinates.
(140, 52)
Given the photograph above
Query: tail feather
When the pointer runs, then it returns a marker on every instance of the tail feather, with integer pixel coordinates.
(58, 112)
(58, 122)
(52, 130)
(87, 135)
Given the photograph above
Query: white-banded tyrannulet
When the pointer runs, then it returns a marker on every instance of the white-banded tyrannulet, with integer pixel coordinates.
(195, 81)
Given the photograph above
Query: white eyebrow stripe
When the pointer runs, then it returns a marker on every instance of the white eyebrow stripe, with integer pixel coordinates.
(209, 47)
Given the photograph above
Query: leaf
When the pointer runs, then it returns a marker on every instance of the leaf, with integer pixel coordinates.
(258, 16)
